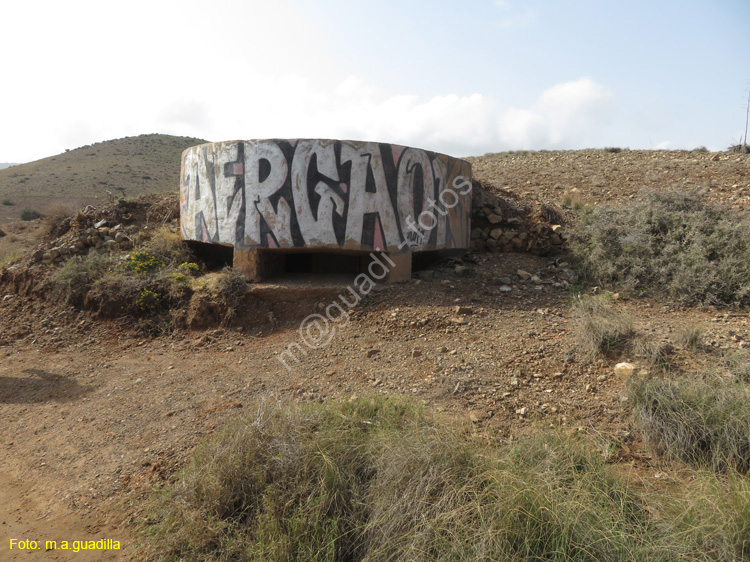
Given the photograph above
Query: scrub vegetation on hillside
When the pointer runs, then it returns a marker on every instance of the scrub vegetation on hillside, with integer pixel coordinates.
(670, 243)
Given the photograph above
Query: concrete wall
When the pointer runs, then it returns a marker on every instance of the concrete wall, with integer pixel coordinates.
(324, 195)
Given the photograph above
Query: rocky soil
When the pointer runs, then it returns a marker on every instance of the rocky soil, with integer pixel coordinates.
(604, 176)
(95, 414)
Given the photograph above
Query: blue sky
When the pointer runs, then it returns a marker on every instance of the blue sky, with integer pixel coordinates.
(464, 78)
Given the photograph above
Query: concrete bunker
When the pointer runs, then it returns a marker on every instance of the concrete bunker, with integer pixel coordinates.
(316, 206)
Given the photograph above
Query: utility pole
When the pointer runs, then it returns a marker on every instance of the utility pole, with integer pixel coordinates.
(747, 119)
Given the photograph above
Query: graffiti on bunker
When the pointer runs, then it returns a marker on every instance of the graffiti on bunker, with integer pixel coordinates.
(324, 194)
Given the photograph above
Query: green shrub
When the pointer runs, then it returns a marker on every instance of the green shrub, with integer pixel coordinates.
(147, 301)
(7, 202)
(30, 215)
(670, 243)
(143, 262)
(73, 280)
(189, 268)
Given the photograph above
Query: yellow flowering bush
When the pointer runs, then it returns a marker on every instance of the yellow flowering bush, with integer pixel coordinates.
(147, 301)
(143, 262)
(189, 268)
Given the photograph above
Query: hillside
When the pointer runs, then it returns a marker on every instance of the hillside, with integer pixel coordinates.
(576, 177)
(142, 164)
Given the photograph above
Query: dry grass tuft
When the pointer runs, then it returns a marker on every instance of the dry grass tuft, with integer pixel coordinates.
(168, 246)
(700, 420)
(690, 336)
(602, 328)
(655, 354)
(56, 220)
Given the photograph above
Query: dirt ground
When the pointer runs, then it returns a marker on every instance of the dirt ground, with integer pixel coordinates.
(95, 415)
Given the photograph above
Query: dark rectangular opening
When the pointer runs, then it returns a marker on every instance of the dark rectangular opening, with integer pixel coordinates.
(322, 263)
(215, 256)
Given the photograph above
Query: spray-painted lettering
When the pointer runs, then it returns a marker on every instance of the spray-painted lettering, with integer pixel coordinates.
(324, 194)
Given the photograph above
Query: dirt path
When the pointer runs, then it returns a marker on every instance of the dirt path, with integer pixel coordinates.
(30, 521)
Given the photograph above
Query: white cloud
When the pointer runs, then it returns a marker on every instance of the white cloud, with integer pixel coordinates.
(253, 105)
(82, 71)
(568, 115)
(204, 76)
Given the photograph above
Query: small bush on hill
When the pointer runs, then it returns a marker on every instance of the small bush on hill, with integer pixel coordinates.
(143, 262)
(7, 256)
(7, 202)
(168, 247)
(141, 286)
(231, 287)
(74, 279)
(189, 268)
(218, 298)
(572, 200)
(147, 301)
(29, 215)
(117, 294)
(671, 242)
(56, 220)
